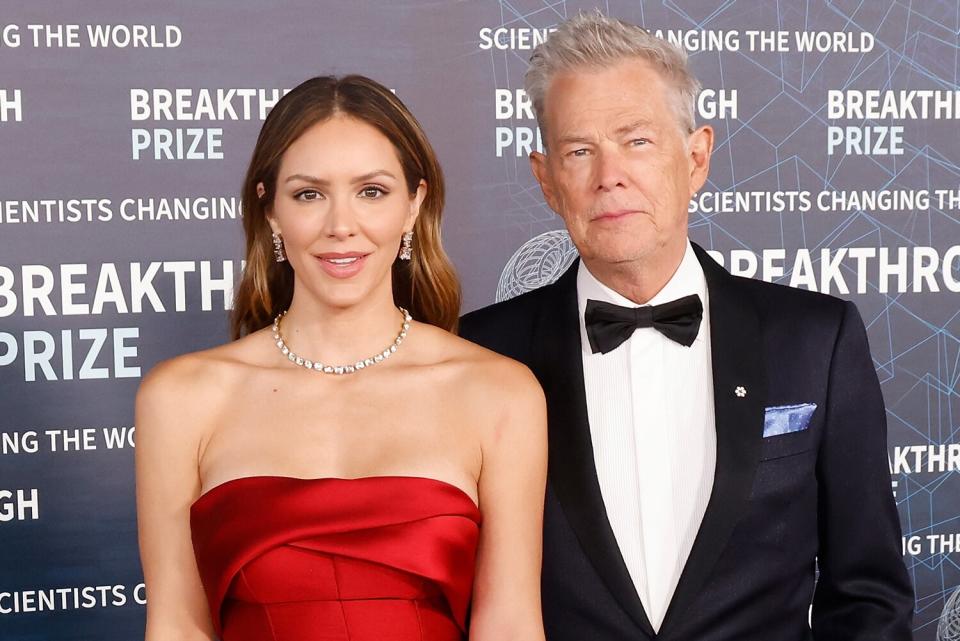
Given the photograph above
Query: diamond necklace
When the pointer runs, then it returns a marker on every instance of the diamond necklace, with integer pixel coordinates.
(317, 366)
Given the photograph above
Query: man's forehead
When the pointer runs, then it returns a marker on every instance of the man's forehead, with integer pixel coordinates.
(609, 119)
(614, 99)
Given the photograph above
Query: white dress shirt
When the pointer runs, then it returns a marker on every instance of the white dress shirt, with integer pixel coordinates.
(650, 407)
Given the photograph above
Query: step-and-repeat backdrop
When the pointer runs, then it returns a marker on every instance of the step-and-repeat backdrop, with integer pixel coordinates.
(125, 128)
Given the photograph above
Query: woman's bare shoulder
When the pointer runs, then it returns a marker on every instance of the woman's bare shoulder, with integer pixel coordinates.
(197, 383)
(502, 399)
(485, 375)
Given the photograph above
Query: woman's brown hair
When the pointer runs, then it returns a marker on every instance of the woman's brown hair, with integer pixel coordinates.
(426, 285)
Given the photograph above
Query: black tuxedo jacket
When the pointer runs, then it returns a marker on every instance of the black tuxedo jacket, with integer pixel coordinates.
(779, 506)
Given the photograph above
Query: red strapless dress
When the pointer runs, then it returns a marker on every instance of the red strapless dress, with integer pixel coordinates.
(383, 558)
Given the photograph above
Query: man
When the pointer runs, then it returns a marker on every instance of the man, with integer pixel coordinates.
(712, 439)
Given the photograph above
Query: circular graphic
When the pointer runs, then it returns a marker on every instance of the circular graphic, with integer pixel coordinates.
(539, 261)
(949, 627)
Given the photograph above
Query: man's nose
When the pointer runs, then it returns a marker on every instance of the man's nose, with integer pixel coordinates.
(609, 170)
(341, 220)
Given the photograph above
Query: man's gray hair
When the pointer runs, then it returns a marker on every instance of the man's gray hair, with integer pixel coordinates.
(594, 41)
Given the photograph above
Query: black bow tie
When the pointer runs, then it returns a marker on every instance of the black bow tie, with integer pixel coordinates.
(608, 325)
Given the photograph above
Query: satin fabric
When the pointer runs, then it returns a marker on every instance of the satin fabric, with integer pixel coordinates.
(375, 558)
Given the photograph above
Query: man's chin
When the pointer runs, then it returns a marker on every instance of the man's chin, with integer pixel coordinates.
(620, 254)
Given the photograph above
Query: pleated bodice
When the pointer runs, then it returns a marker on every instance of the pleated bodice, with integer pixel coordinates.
(373, 558)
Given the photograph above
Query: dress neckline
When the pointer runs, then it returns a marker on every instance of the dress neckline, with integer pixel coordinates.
(331, 479)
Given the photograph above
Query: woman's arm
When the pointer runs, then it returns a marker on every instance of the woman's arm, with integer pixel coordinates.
(506, 597)
(168, 481)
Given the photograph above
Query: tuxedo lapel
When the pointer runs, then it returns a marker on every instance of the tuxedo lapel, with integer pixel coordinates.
(572, 471)
(737, 356)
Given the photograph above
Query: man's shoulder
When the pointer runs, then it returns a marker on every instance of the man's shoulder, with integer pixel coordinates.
(780, 304)
(505, 326)
(772, 300)
(517, 309)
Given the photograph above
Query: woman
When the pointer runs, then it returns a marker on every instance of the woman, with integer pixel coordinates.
(320, 476)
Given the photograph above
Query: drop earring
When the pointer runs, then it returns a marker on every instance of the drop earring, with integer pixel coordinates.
(406, 247)
(278, 254)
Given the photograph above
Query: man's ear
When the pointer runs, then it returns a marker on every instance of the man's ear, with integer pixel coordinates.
(541, 171)
(699, 148)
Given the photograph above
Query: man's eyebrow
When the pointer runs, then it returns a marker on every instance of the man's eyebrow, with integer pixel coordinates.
(623, 129)
(574, 139)
(636, 124)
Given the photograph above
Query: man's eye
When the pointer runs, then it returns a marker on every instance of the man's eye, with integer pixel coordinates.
(307, 194)
(638, 142)
(373, 192)
(579, 152)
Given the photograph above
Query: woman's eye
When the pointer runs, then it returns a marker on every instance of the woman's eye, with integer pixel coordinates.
(372, 192)
(307, 194)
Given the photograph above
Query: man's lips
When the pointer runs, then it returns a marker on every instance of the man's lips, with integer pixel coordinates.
(614, 215)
